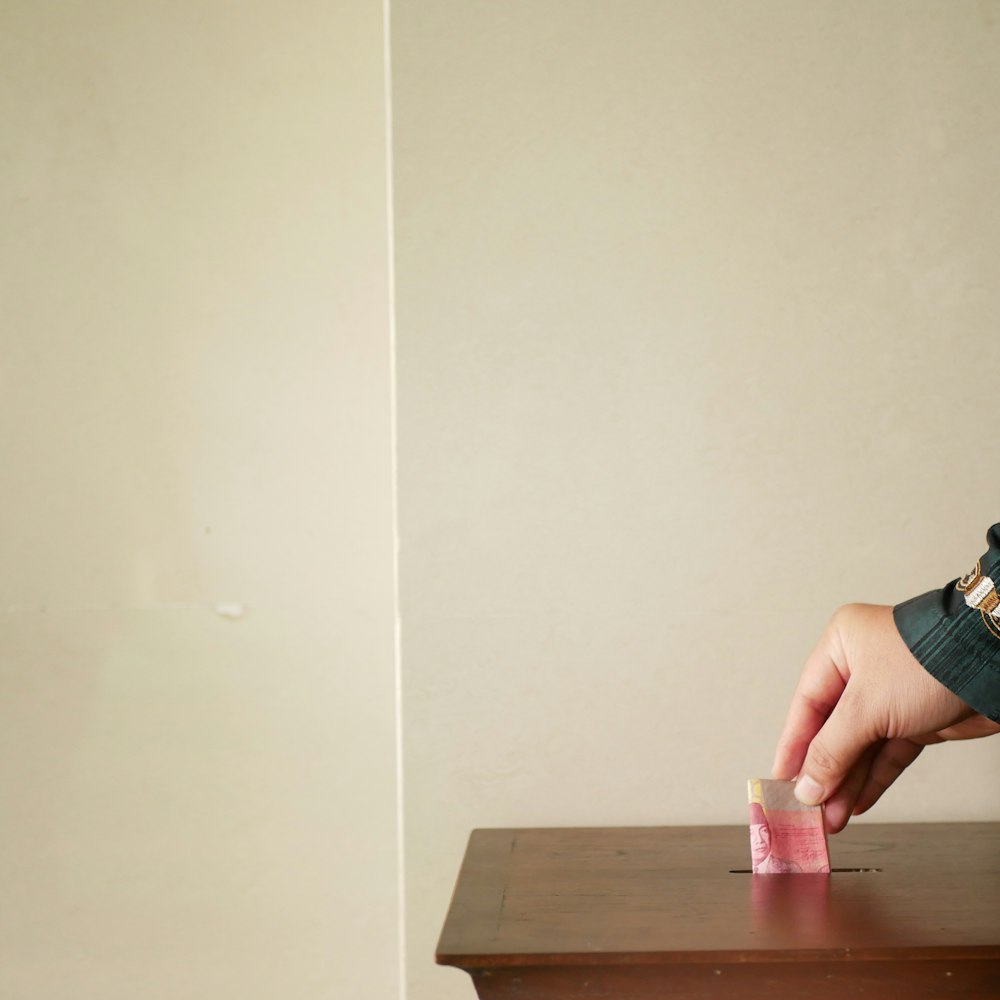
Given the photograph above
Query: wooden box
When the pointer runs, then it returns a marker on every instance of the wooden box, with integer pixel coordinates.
(671, 912)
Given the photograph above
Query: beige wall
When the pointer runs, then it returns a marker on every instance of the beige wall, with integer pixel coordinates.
(697, 320)
(195, 379)
(694, 303)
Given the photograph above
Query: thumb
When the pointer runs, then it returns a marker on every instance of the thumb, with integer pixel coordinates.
(834, 750)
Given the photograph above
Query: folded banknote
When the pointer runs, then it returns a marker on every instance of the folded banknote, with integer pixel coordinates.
(785, 835)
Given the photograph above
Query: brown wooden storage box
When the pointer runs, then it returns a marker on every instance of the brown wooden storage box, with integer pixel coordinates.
(637, 913)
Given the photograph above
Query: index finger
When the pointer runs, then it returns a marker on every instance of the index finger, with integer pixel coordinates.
(817, 693)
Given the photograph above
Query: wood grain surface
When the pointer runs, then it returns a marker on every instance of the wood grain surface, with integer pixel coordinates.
(554, 908)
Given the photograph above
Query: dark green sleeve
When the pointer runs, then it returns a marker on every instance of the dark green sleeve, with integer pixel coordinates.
(955, 634)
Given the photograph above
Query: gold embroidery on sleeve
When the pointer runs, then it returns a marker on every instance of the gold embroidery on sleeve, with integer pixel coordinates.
(981, 593)
(963, 583)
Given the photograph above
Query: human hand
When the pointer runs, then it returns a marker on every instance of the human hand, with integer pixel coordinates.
(863, 710)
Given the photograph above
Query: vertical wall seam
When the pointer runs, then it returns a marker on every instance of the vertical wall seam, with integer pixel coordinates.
(394, 448)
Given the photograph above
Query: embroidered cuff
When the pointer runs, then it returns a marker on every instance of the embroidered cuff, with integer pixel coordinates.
(955, 632)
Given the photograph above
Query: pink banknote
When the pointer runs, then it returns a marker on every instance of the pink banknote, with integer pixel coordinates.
(785, 835)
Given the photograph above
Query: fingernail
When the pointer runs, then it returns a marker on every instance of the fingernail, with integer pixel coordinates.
(808, 791)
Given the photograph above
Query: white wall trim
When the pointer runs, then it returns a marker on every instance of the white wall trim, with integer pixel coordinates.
(394, 437)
